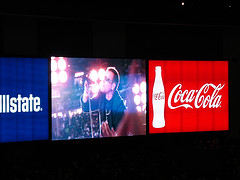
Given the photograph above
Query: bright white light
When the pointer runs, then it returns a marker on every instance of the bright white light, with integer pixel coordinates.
(62, 64)
(100, 84)
(143, 87)
(70, 113)
(135, 89)
(125, 102)
(101, 74)
(144, 107)
(79, 111)
(78, 74)
(139, 108)
(60, 114)
(95, 88)
(53, 65)
(182, 3)
(54, 77)
(93, 75)
(137, 99)
(63, 76)
(143, 98)
(54, 115)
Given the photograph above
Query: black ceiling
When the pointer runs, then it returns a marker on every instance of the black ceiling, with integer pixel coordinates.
(221, 12)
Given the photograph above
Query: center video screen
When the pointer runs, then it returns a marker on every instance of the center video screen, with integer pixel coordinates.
(97, 97)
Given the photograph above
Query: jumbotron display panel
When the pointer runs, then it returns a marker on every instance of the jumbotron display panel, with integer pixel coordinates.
(188, 96)
(23, 99)
(106, 97)
(97, 97)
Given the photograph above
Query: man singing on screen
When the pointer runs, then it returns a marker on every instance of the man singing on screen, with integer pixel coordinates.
(108, 101)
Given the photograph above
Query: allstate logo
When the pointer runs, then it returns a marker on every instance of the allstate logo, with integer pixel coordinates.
(20, 104)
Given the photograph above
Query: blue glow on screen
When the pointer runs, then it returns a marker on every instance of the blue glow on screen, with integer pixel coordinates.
(23, 99)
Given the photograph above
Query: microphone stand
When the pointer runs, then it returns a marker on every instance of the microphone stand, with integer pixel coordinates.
(90, 111)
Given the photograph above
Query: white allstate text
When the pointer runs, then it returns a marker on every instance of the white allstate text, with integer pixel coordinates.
(19, 104)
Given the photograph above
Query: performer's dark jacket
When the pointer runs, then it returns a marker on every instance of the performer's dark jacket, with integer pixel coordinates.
(115, 108)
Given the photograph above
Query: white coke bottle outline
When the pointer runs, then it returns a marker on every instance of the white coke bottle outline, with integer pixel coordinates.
(158, 100)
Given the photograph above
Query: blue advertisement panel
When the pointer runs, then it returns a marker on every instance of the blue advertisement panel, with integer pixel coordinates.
(23, 99)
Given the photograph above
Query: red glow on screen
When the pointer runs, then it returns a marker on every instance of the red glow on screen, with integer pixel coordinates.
(195, 96)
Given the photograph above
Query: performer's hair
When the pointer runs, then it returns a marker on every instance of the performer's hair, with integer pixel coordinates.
(116, 78)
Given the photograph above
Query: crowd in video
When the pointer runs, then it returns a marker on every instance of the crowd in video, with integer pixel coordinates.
(75, 127)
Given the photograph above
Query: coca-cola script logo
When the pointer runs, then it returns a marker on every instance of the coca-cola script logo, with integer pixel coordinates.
(199, 97)
(195, 96)
(159, 96)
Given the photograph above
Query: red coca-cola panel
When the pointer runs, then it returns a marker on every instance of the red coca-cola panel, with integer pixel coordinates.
(196, 95)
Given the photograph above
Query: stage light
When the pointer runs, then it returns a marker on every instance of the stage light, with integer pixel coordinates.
(143, 98)
(62, 76)
(53, 65)
(70, 113)
(60, 114)
(54, 77)
(183, 3)
(62, 64)
(137, 99)
(100, 84)
(139, 109)
(78, 74)
(144, 107)
(54, 115)
(93, 75)
(143, 87)
(135, 89)
(101, 74)
(95, 88)
(79, 111)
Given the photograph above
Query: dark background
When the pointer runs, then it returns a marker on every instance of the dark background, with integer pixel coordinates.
(199, 30)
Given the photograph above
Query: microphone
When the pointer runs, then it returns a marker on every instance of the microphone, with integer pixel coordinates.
(86, 78)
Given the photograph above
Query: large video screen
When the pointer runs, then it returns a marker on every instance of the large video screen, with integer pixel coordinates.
(188, 96)
(23, 99)
(97, 97)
